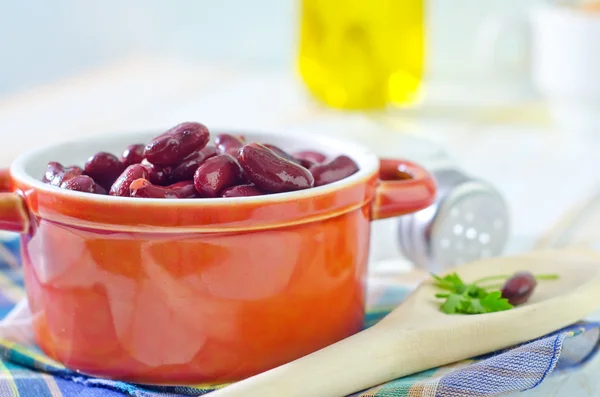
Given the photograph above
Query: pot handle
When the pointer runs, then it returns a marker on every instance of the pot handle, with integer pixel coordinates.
(404, 187)
(13, 212)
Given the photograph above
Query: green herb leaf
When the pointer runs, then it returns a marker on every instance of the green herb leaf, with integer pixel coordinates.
(472, 298)
(452, 304)
(450, 282)
(494, 302)
(477, 307)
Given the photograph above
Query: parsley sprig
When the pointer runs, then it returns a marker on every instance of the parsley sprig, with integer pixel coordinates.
(474, 298)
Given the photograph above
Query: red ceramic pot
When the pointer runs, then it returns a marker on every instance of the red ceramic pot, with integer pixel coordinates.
(169, 291)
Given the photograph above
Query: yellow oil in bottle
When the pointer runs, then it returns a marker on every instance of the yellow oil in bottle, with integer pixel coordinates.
(362, 54)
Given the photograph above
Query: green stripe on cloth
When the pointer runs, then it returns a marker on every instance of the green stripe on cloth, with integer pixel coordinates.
(28, 357)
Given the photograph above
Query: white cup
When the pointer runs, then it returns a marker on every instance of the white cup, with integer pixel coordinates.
(566, 65)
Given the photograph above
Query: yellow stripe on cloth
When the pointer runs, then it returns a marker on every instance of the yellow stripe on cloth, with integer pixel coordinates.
(52, 386)
(208, 386)
(8, 387)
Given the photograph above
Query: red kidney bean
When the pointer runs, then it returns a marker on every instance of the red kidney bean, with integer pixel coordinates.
(271, 172)
(306, 163)
(176, 144)
(339, 168)
(156, 174)
(65, 175)
(184, 189)
(133, 154)
(186, 169)
(519, 288)
(310, 155)
(83, 183)
(56, 173)
(241, 191)
(241, 138)
(69, 173)
(245, 180)
(52, 170)
(228, 144)
(282, 153)
(215, 174)
(144, 188)
(131, 173)
(104, 168)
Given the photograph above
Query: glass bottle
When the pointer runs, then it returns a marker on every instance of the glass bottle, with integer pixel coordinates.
(357, 54)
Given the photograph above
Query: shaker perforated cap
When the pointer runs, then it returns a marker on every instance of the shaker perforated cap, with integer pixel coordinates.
(469, 220)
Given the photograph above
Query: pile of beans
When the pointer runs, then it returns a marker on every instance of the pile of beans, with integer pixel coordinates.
(181, 164)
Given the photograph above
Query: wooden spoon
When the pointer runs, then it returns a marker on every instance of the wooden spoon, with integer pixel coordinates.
(416, 336)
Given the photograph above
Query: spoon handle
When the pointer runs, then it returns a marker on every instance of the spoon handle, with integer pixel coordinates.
(366, 359)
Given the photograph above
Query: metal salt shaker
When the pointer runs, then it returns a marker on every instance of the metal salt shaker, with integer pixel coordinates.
(469, 220)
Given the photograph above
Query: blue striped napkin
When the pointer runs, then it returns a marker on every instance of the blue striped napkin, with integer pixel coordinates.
(27, 372)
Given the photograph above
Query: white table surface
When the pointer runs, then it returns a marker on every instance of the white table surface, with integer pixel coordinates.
(542, 171)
